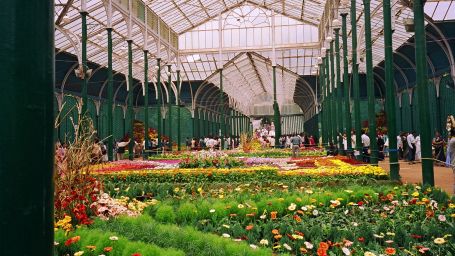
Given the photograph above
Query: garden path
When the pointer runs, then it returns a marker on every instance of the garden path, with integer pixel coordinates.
(444, 177)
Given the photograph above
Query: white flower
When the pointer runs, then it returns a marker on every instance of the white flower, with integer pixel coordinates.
(346, 212)
(355, 224)
(212, 210)
(346, 251)
(315, 212)
(442, 218)
(56, 243)
(226, 226)
(292, 207)
(263, 217)
(304, 208)
(116, 189)
(240, 206)
(289, 248)
(308, 245)
(253, 246)
(264, 242)
(225, 235)
(113, 238)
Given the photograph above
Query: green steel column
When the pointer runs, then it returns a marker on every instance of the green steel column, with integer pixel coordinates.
(422, 92)
(328, 98)
(355, 80)
(323, 103)
(390, 92)
(169, 90)
(276, 108)
(84, 60)
(130, 100)
(158, 92)
(333, 94)
(26, 116)
(146, 102)
(339, 90)
(222, 120)
(347, 98)
(110, 96)
(179, 132)
(370, 85)
(319, 110)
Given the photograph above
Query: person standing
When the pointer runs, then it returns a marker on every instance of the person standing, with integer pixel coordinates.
(438, 144)
(381, 145)
(400, 146)
(410, 139)
(295, 145)
(353, 140)
(418, 153)
(365, 147)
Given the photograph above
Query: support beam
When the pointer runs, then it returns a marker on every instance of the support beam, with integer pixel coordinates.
(26, 114)
(333, 95)
(146, 103)
(110, 98)
(355, 81)
(169, 105)
(422, 92)
(158, 112)
(179, 115)
(130, 100)
(276, 109)
(339, 91)
(390, 92)
(370, 85)
(83, 76)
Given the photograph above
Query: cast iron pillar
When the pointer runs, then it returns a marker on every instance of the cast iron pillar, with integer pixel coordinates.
(27, 127)
(110, 96)
(146, 103)
(422, 92)
(390, 92)
(355, 81)
(346, 85)
(130, 100)
(370, 85)
(169, 104)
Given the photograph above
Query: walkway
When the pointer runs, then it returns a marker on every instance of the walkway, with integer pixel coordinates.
(444, 177)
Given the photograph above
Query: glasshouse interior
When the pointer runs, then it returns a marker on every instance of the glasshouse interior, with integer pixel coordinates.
(227, 127)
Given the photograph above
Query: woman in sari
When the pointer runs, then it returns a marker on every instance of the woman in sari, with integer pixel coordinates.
(438, 144)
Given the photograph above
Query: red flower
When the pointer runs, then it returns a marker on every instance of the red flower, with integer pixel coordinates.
(107, 249)
(359, 203)
(72, 240)
(361, 239)
(136, 254)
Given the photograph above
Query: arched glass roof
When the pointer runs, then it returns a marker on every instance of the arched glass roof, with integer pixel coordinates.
(186, 35)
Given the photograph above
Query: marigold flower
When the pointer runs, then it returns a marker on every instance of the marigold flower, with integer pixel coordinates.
(439, 240)
(273, 215)
(390, 251)
(108, 249)
(91, 247)
(275, 231)
(277, 237)
(321, 252)
(249, 227)
(324, 245)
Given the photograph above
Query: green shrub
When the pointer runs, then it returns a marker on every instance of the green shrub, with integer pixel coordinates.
(165, 213)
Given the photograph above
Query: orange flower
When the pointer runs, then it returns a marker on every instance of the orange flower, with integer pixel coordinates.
(72, 240)
(390, 251)
(303, 250)
(429, 213)
(299, 233)
(297, 218)
(324, 246)
(249, 227)
(277, 237)
(322, 252)
(273, 215)
(300, 212)
(251, 214)
(107, 249)
(91, 247)
(232, 215)
(275, 232)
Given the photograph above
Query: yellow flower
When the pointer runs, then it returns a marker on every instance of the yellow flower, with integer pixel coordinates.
(369, 254)
(79, 253)
(439, 241)
(415, 194)
(451, 205)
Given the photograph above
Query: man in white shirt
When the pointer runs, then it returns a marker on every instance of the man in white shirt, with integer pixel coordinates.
(365, 147)
(411, 146)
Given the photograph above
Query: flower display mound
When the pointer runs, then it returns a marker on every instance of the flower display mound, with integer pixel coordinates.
(209, 159)
(278, 153)
(86, 241)
(187, 239)
(122, 165)
(382, 220)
